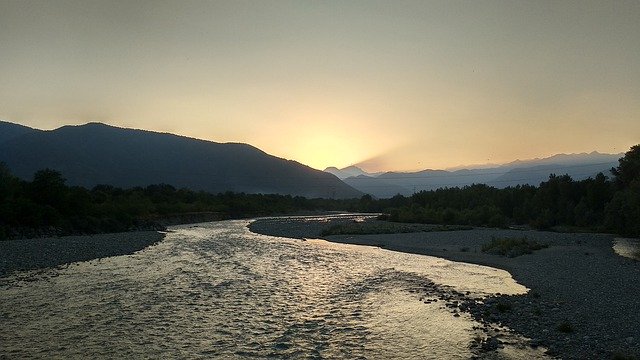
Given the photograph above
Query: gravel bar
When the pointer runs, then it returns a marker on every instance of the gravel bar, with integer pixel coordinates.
(584, 301)
(29, 254)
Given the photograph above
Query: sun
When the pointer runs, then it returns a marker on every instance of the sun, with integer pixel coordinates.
(323, 138)
(323, 150)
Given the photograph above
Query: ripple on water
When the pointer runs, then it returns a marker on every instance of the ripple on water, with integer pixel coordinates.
(218, 290)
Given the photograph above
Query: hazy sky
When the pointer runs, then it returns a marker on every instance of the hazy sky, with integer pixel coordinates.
(398, 84)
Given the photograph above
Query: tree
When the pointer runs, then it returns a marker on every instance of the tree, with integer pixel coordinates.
(5, 181)
(628, 171)
(623, 212)
(48, 188)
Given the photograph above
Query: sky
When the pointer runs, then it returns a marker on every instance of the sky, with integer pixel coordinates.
(387, 85)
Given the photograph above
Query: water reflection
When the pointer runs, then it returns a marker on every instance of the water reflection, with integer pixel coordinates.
(218, 290)
(627, 247)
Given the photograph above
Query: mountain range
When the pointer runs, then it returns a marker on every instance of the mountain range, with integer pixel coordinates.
(95, 153)
(519, 172)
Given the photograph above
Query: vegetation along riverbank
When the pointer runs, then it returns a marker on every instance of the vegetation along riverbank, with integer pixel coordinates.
(47, 206)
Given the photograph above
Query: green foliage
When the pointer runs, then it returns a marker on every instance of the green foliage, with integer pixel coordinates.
(560, 202)
(48, 187)
(565, 327)
(503, 306)
(627, 173)
(593, 204)
(383, 227)
(622, 356)
(48, 206)
(512, 247)
(623, 212)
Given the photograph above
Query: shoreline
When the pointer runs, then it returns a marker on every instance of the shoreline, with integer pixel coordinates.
(46, 248)
(584, 300)
(578, 281)
(38, 253)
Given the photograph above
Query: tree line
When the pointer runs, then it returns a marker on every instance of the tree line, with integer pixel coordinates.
(47, 205)
(595, 204)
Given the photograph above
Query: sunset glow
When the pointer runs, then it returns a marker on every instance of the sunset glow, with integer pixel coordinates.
(411, 85)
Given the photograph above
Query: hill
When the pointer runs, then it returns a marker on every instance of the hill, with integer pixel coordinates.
(95, 153)
(9, 131)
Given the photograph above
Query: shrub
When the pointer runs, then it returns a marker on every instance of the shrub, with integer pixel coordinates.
(565, 327)
(622, 356)
(503, 307)
(512, 247)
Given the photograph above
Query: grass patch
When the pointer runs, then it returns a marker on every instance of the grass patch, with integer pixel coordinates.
(565, 327)
(385, 227)
(503, 307)
(622, 356)
(512, 247)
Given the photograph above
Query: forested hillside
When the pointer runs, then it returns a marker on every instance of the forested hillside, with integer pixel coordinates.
(94, 154)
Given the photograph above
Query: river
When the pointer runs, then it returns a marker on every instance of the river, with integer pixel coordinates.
(216, 290)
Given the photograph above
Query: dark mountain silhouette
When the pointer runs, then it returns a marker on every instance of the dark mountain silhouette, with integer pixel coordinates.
(96, 153)
(9, 131)
(519, 172)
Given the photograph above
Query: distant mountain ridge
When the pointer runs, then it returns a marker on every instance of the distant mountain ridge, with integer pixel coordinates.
(95, 153)
(349, 171)
(11, 131)
(519, 172)
(571, 159)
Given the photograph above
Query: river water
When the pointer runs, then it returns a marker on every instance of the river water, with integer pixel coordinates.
(216, 290)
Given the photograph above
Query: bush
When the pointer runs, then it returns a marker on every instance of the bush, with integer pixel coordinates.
(623, 212)
(622, 356)
(512, 247)
(565, 327)
(503, 307)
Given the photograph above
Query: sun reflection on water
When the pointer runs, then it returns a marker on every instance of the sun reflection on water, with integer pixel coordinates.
(218, 290)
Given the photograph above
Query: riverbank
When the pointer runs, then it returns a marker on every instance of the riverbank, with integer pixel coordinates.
(584, 298)
(30, 254)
